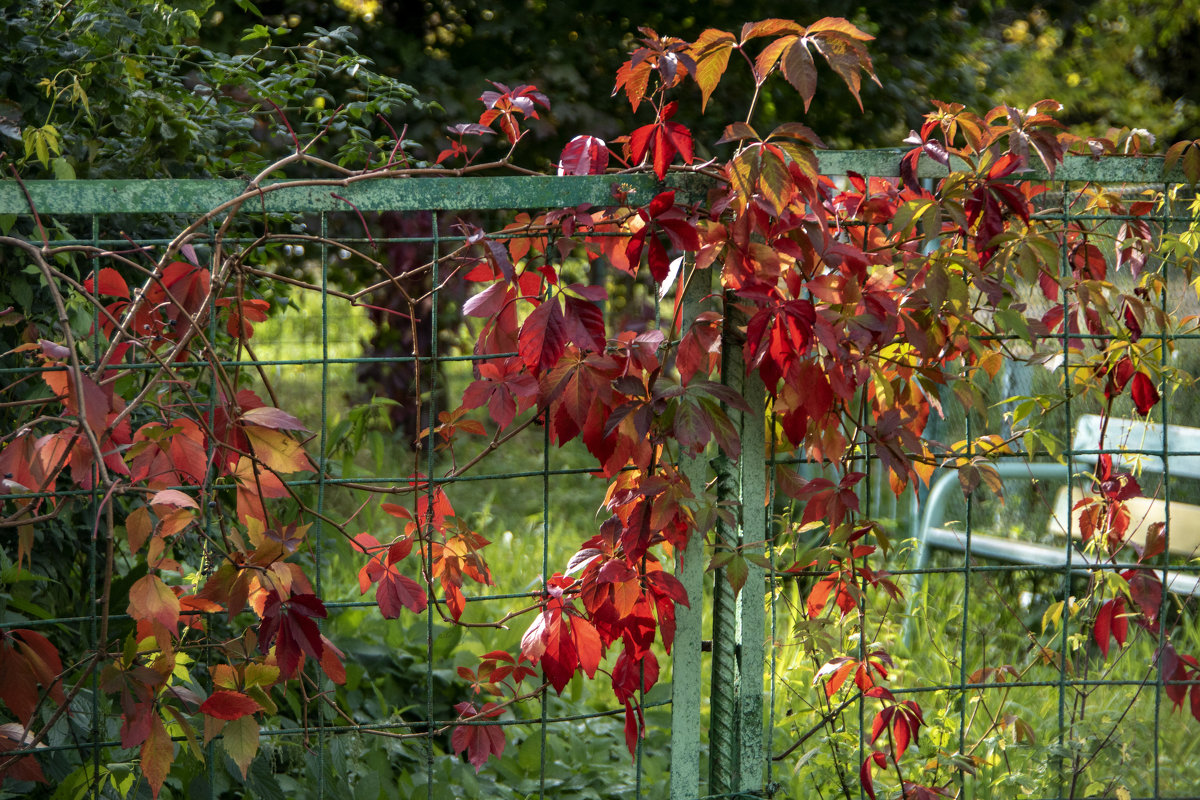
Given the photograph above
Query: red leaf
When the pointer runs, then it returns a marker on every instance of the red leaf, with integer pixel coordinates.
(229, 705)
(633, 726)
(158, 751)
(1146, 590)
(490, 301)
(398, 591)
(1145, 395)
(800, 71)
(111, 283)
(18, 687)
(1156, 542)
(587, 645)
(864, 773)
(480, 741)
(43, 660)
(331, 662)
(584, 324)
(667, 585)
(1102, 628)
(173, 498)
(289, 626)
(662, 202)
(628, 671)
(543, 337)
(658, 260)
(97, 402)
(13, 736)
(584, 155)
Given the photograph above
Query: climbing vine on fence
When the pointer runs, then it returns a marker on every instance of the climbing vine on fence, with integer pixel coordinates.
(858, 304)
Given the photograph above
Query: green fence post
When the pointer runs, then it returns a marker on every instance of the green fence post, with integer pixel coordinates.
(751, 615)
(736, 723)
(689, 568)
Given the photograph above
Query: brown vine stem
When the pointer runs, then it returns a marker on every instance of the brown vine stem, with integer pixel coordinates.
(75, 373)
(37, 218)
(491, 712)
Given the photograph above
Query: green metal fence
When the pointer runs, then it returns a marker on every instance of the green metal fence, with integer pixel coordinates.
(735, 719)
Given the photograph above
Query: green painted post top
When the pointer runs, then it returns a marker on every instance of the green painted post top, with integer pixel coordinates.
(378, 193)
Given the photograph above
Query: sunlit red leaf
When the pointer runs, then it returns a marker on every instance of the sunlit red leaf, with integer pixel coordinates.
(584, 155)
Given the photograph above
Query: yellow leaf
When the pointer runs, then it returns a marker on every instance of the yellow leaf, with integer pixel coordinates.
(277, 450)
(711, 53)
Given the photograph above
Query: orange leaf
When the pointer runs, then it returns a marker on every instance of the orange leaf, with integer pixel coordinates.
(841, 26)
(151, 599)
(138, 527)
(158, 751)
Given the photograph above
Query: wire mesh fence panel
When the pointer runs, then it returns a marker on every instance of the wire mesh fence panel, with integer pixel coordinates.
(1040, 631)
(289, 444)
(337, 330)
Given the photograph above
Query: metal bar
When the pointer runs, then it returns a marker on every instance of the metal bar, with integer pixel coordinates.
(378, 194)
(723, 718)
(187, 196)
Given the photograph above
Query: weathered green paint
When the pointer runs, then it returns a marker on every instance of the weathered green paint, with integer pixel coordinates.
(369, 193)
(686, 657)
(1109, 169)
(365, 194)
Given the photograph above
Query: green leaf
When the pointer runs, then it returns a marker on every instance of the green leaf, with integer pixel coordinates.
(257, 32)
(63, 170)
(736, 572)
(240, 738)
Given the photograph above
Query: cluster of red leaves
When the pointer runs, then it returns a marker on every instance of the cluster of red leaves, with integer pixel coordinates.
(180, 460)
